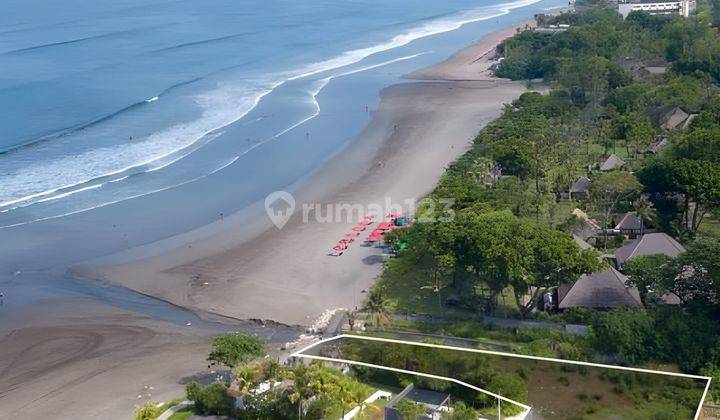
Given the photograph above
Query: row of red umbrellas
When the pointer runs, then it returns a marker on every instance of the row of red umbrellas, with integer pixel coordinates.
(343, 244)
(384, 227)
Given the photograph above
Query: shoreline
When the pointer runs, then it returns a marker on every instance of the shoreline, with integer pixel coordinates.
(230, 269)
(426, 122)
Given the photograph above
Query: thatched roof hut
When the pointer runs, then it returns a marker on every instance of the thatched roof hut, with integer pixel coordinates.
(581, 187)
(649, 244)
(674, 118)
(600, 290)
(612, 162)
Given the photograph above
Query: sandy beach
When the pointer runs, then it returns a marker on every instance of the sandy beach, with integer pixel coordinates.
(260, 272)
(79, 358)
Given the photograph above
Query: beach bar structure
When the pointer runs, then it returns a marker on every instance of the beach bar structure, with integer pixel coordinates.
(681, 7)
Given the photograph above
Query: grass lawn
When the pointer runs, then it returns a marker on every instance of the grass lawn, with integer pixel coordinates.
(172, 403)
(183, 414)
(563, 210)
(408, 285)
(620, 150)
(710, 227)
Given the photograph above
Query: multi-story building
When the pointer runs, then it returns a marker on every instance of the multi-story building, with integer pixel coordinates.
(654, 7)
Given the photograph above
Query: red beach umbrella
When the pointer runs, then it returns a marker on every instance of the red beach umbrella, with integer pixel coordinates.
(358, 228)
(352, 234)
(374, 237)
(384, 225)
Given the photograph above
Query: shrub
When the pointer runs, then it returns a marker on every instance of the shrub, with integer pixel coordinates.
(148, 411)
(235, 349)
(210, 399)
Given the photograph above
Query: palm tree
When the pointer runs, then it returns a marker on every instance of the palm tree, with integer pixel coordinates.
(351, 395)
(379, 309)
(352, 319)
(644, 210)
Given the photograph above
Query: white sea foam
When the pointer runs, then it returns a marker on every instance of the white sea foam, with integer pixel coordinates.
(153, 99)
(317, 87)
(55, 197)
(222, 107)
(429, 29)
(108, 203)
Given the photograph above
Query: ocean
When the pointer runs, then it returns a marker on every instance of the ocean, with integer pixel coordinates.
(128, 121)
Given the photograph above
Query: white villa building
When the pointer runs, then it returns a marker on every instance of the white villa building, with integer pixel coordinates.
(654, 7)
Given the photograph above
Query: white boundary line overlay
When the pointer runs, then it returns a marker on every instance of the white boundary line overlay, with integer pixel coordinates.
(300, 354)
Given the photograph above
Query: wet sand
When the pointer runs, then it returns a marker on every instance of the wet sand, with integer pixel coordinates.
(287, 275)
(79, 358)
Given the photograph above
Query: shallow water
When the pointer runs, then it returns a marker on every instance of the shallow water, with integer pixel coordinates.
(120, 116)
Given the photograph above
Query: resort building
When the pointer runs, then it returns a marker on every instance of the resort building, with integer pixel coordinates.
(681, 7)
(631, 224)
(580, 188)
(605, 289)
(677, 118)
(612, 162)
(649, 244)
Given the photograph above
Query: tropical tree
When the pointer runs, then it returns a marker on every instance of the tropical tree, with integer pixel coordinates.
(379, 308)
(644, 209)
(409, 410)
(211, 399)
(554, 259)
(487, 247)
(609, 190)
(700, 277)
(699, 182)
(352, 319)
(653, 275)
(639, 133)
(351, 395)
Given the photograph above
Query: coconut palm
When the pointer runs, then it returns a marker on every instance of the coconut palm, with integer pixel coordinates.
(379, 308)
(645, 211)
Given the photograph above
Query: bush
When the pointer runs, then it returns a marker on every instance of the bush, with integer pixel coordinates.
(461, 412)
(629, 333)
(211, 399)
(148, 411)
(236, 349)
(409, 410)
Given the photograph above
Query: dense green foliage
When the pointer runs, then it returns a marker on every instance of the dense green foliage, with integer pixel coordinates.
(473, 370)
(235, 349)
(211, 399)
(507, 232)
(409, 409)
(511, 377)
